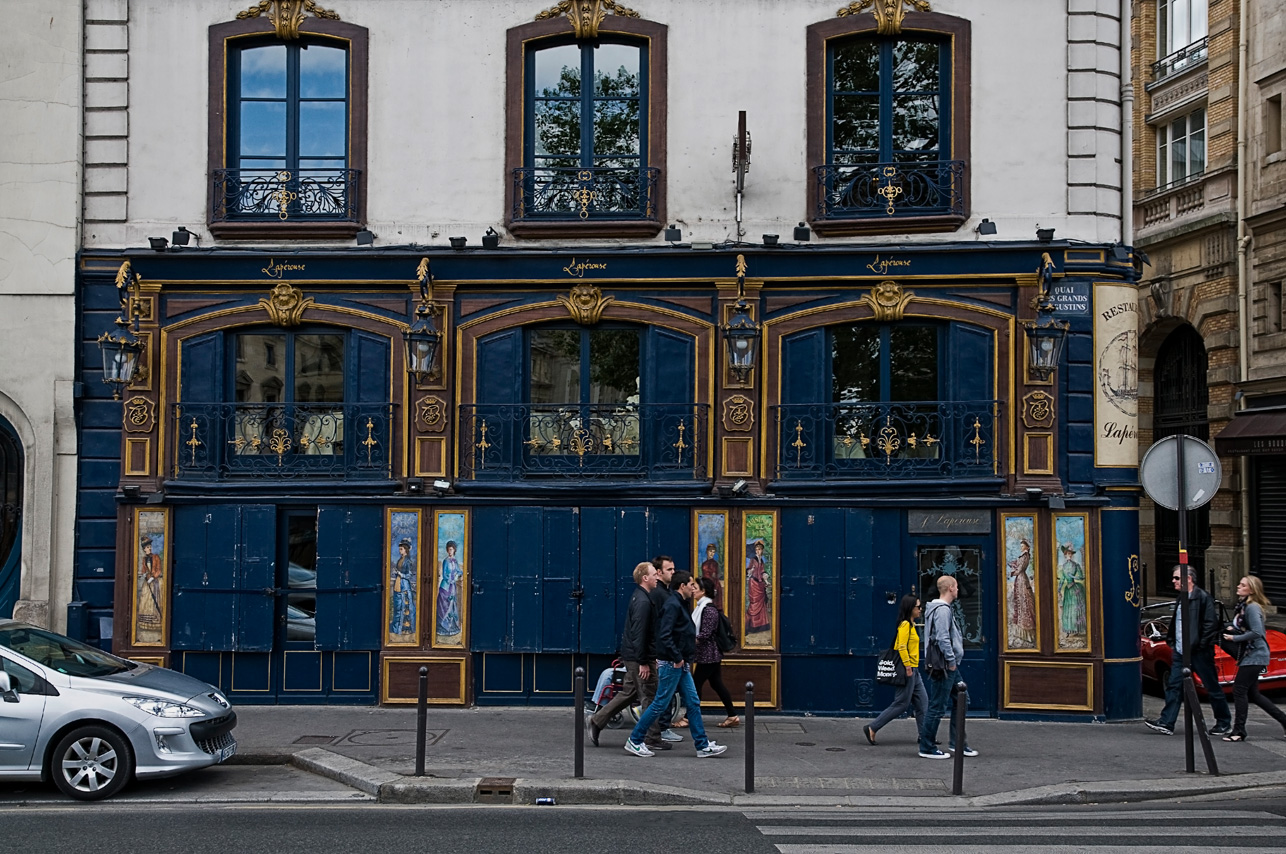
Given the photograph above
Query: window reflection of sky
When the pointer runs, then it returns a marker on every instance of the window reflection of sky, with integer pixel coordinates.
(321, 112)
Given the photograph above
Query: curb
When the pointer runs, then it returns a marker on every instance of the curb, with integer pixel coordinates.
(391, 788)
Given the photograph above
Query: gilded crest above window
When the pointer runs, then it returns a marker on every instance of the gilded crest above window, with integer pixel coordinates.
(586, 15)
(888, 13)
(287, 15)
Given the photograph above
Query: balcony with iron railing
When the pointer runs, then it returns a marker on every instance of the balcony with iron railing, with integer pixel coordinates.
(583, 442)
(285, 196)
(890, 191)
(887, 441)
(1182, 59)
(573, 195)
(282, 441)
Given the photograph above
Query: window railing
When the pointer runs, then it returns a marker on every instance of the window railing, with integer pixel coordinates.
(887, 441)
(572, 194)
(271, 441)
(661, 441)
(1185, 57)
(883, 190)
(282, 195)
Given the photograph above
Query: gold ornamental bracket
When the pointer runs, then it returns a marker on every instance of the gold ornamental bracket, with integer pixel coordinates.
(586, 304)
(888, 13)
(285, 305)
(287, 16)
(888, 301)
(586, 15)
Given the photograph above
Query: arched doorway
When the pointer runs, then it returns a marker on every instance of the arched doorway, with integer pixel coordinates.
(1182, 397)
(10, 518)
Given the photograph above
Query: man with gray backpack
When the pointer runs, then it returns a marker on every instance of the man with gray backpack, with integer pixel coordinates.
(943, 653)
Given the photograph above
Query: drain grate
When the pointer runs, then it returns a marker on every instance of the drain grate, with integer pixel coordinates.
(495, 790)
(315, 739)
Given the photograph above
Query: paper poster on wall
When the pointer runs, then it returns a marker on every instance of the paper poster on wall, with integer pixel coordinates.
(712, 550)
(402, 598)
(759, 583)
(1022, 627)
(1116, 376)
(450, 578)
(151, 578)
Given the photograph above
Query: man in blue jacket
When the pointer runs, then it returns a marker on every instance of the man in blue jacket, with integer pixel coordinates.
(944, 647)
(638, 653)
(676, 643)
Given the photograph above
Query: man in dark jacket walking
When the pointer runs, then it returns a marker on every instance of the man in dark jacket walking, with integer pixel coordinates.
(638, 652)
(676, 643)
(1203, 611)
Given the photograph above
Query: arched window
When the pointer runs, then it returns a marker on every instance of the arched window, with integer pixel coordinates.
(1182, 398)
(10, 518)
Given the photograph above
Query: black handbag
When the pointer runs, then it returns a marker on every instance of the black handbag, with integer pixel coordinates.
(1236, 649)
(889, 670)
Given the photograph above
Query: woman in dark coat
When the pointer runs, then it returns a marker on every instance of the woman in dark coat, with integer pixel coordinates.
(708, 660)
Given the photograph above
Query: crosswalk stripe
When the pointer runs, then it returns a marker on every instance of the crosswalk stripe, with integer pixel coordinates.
(882, 816)
(947, 832)
(942, 846)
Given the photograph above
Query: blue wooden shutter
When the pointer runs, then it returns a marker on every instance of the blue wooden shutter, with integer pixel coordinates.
(203, 615)
(806, 380)
(488, 599)
(201, 376)
(559, 579)
(369, 389)
(668, 390)
(350, 570)
(501, 368)
(970, 376)
(256, 573)
(811, 578)
(526, 562)
(600, 530)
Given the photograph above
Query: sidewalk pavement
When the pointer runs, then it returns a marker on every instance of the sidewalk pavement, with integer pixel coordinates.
(806, 761)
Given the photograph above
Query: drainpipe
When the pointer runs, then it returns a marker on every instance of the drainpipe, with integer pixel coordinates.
(1243, 263)
(1127, 130)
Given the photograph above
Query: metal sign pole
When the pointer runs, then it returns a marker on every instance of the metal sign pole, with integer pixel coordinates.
(1185, 625)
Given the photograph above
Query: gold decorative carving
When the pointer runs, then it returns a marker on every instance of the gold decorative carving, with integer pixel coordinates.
(586, 304)
(1038, 410)
(287, 15)
(1135, 594)
(586, 15)
(888, 301)
(432, 414)
(888, 13)
(285, 305)
(140, 415)
(738, 413)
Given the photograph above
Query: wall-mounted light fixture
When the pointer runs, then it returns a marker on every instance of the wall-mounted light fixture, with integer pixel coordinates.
(1045, 235)
(120, 347)
(491, 240)
(1045, 339)
(423, 337)
(803, 233)
(365, 237)
(457, 242)
(158, 243)
(414, 485)
(441, 487)
(673, 234)
(770, 239)
(986, 227)
(741, 332)
(739, 488)
(181, 236)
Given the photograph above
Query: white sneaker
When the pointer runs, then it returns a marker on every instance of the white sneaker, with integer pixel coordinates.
(671, 736)
(712, 749)
(637, 749)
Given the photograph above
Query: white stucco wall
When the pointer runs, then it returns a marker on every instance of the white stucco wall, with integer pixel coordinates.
(40, 150)
(437, 120)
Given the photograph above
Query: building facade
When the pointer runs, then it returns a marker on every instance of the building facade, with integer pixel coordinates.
(427, 369)
(1208, 187)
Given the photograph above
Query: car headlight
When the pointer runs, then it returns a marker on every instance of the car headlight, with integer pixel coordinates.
(163, 708)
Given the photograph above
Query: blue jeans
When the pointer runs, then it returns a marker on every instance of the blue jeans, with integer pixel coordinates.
(939, 701)
(911, 694)
(672, 677)
(1203, 665)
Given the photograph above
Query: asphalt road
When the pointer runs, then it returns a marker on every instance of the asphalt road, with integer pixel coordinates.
(1206, 827)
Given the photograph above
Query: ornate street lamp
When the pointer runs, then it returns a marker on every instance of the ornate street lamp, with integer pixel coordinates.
(1045, 339)
(423, 338)
(120, 347)
(741, 332)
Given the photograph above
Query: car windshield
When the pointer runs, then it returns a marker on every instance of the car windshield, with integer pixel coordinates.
(61, 653)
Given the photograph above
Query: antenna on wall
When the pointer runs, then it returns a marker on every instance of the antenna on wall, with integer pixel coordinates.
(741, 163)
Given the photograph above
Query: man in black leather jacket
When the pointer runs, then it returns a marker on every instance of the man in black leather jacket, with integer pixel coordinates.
(638, 653)
(1203, 611)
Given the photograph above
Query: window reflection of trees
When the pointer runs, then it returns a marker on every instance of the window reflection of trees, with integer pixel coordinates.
(584, 391)
(964, 564)
(272, 391)
(885, 388)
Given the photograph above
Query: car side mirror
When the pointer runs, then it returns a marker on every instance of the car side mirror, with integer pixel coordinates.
(6, 689)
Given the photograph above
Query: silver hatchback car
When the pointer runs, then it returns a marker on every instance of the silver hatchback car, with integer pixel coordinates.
(91, 721)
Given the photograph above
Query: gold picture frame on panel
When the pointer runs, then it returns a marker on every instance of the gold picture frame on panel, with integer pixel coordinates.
(151, 577)
(759, 581)
(710, 557)
(451, 556)
(1020, 592)
(1071, 583)
(402, 576)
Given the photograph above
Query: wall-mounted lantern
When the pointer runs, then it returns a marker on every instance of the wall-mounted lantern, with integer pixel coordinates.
(1045, 339)
(424, 338)
(741, 332)
(121, 348)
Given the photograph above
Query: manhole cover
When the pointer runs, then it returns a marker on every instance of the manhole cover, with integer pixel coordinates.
(315, 739)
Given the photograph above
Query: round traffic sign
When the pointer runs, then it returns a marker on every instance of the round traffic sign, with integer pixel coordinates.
(1159, 472)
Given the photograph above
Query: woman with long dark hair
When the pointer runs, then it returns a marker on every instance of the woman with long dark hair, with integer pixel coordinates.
(708, 660)
(912, 692)
(1248, 629)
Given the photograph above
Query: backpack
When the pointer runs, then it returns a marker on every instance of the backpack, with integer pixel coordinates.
(724, 637)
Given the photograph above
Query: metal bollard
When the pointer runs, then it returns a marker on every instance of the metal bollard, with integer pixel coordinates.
(958, 724)
(421, 720)
(1193, 715)
(750, 737)
(580, 722)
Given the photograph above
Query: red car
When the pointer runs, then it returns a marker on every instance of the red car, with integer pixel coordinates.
(1154, 623)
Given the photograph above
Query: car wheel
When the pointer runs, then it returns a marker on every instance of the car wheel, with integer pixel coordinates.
(92, 763)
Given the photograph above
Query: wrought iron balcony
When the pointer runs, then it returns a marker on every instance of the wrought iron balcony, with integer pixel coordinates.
(890, 190)
(548, 194)
(275, 441)
(590, 442)
(280, 195)
(887, 441)
(1184, 57)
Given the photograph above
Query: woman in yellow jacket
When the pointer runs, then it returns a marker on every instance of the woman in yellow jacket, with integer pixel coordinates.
(911, 693)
